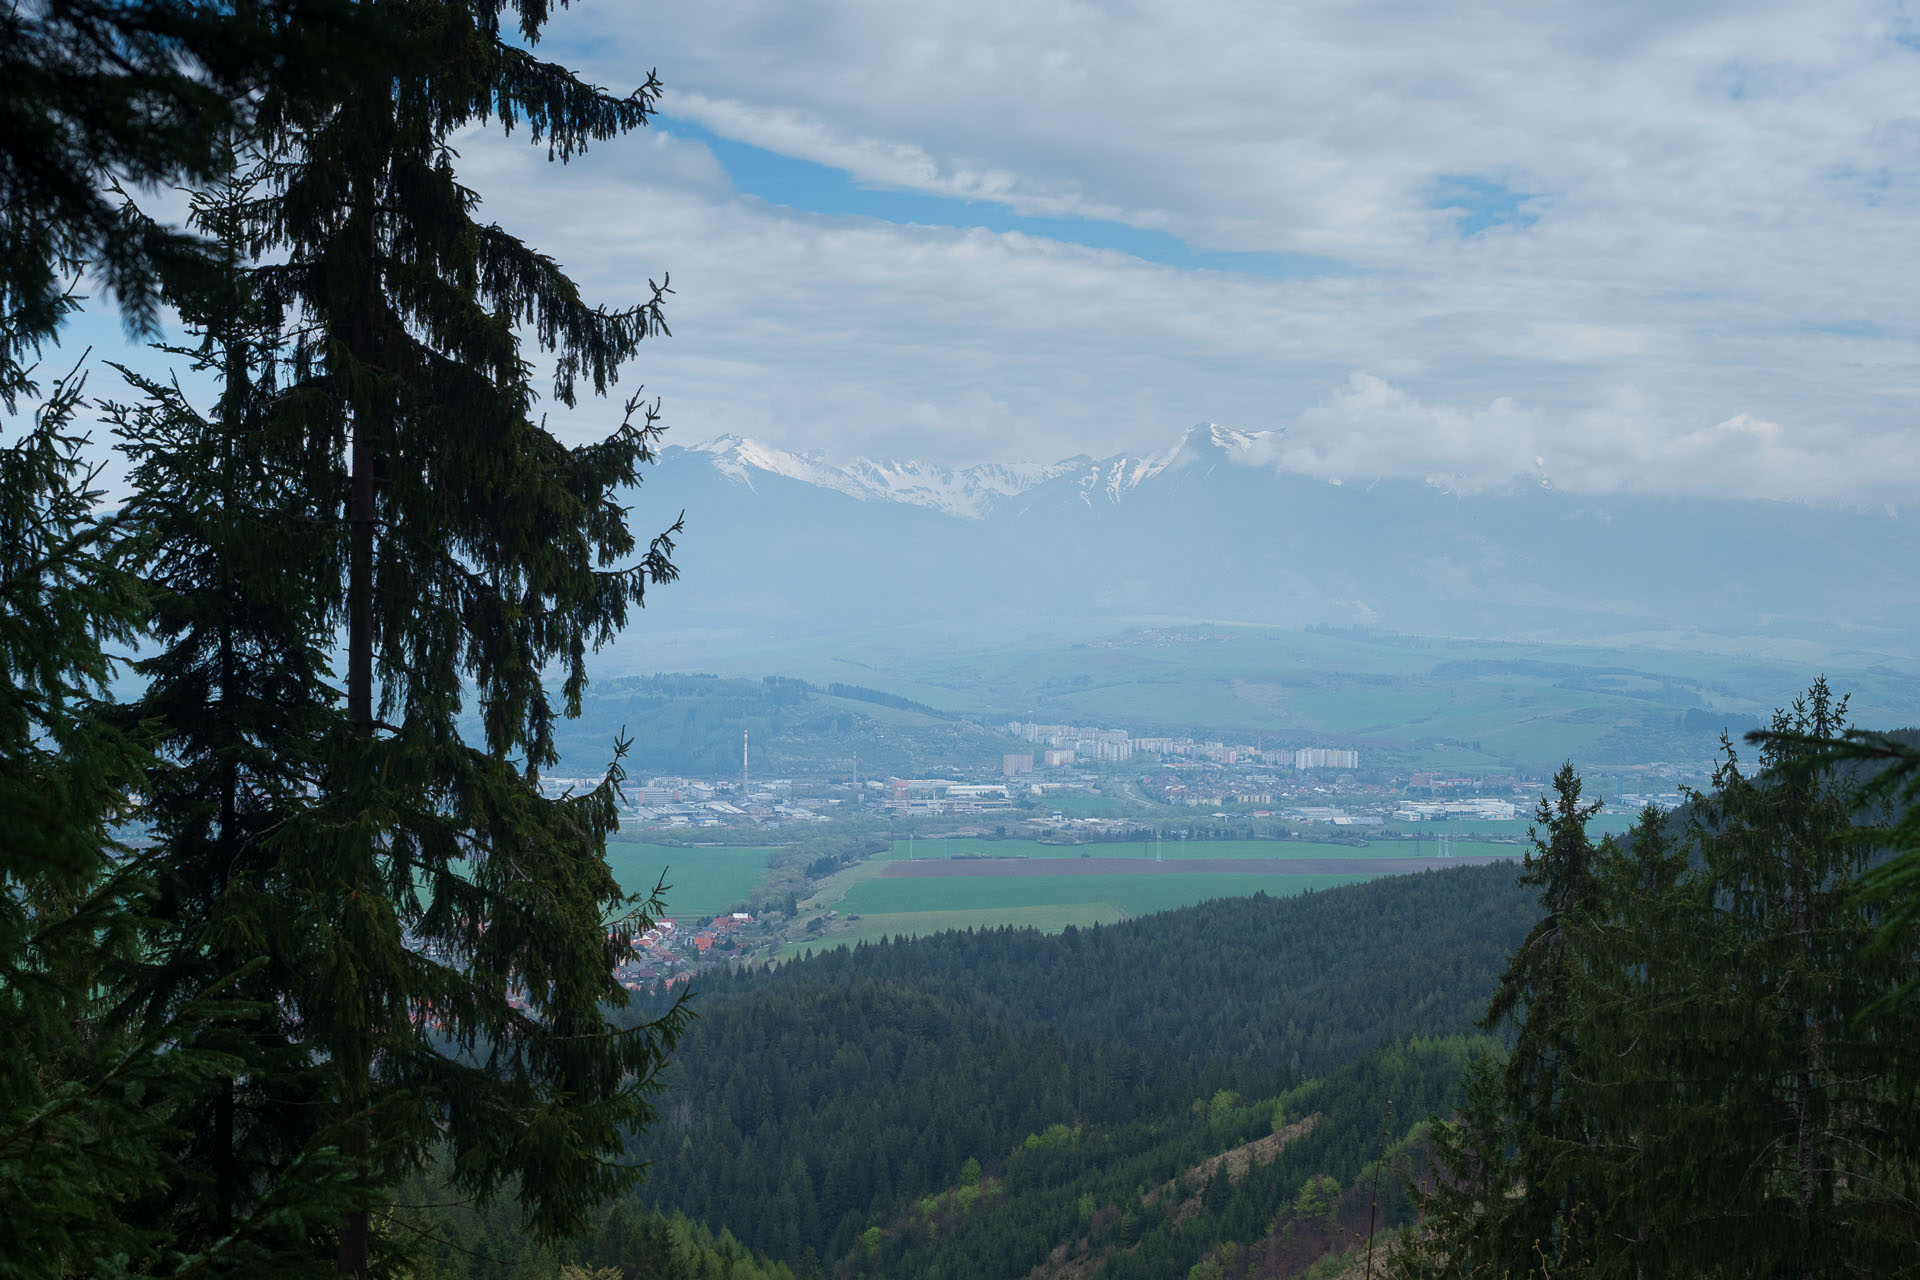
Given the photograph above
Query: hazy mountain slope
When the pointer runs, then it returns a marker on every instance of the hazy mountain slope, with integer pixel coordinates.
(692, 725)
(778, 546)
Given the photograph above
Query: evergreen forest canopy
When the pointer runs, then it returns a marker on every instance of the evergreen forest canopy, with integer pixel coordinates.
(352, 1003)
(806, 1103)
(1714, 1069)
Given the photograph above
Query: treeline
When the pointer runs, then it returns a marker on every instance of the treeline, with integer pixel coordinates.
(861, 694)
(805, 1104)
(1714, 1070)
(692, 724)
(1693, 734)
(1711, 1069)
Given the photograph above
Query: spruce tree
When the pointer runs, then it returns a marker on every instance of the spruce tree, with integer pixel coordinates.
(468, 925)
(425, 939)
(97, 1112)
(222, 533)
(1810, 1056)
(1507, 1199)
(1547, 1224)
(1640, 1013)
(99, 97)
(1727, 1026)
(1466, 1211)
(65, 776)
(1886, 769)
(1751, 1070)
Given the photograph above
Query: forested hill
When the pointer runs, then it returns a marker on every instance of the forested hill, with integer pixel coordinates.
(692, 724)
(1262, 989)
(810, 1102)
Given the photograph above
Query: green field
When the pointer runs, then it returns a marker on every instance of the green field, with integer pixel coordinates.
(890, 906)
(1430, 848)
(936, 849)
(702, 882)
(1133, 895)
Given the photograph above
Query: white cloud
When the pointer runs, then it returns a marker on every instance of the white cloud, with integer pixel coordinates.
(858, 336)
(1370, 427)
(1713, 293)
(1708, 288)
(1584, 343)
(1319, 126)
(875, 162)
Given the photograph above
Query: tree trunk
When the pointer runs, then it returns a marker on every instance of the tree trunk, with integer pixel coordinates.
(354, 1067)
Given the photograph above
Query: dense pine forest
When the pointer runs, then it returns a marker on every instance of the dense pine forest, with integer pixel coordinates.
(968, 1104)
(811, 1100)
(1713, 1069)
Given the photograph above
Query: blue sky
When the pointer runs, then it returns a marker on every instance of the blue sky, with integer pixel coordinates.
(804, 185)
(1646, 246)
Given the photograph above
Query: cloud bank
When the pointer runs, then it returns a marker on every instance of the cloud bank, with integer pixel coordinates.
(1659, 247)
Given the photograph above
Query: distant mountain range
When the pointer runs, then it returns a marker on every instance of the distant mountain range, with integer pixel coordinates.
(976, 492)
(781, 546)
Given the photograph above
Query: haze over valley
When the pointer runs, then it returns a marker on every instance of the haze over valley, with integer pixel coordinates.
(782, 549)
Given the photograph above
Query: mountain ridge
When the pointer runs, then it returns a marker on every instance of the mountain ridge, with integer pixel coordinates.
(779, 546)
(974, 490)
(971, 491)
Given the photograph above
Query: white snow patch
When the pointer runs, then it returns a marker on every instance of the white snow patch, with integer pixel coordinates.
(971, 492)
(967, 492)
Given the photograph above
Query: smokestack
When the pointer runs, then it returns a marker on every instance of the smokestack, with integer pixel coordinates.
(743, 762)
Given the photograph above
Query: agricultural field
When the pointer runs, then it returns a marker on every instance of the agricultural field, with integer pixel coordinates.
(936, 849)
(1600, 824)
(929, 885)
(932, 884)
(702, 881)
(897, 897)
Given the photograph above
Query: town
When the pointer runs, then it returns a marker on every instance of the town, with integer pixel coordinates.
(1051, 772)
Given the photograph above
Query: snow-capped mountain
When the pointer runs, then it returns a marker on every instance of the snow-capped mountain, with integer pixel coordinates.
(968, 492)
(973, 492)
(785, 545)
(1198, 451)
